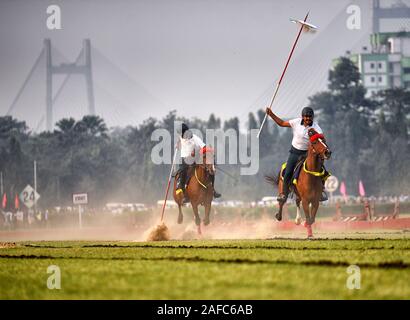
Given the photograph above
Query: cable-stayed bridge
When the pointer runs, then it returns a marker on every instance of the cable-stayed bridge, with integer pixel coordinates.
(91, 84)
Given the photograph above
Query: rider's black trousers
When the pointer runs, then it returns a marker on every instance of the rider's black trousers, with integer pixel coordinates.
(182, 173)
(294, 155)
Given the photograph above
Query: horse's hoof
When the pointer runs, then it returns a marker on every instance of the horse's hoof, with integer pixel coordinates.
(206, 222)
(278, 216)
(309, 230)
(198, 222)
(298, 221)
(180, 219)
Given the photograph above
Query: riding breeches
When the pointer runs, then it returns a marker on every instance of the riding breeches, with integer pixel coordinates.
(294, 155)
(182, 173)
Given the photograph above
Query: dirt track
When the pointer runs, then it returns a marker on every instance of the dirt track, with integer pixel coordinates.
(260, 229)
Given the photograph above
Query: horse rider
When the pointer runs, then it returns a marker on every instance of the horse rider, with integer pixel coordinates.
(189, 144)
(300, 145)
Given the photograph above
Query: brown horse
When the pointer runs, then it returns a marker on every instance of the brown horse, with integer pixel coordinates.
(308, 189)
(199, 188)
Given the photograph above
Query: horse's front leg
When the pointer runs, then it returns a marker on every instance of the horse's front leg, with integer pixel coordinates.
(298, 219)
(180, 215)
(197, 218)
(278, 215)
(308, 223)
(313, 210)
(207, 213)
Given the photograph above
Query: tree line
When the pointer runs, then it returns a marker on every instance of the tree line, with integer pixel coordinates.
(369, 138)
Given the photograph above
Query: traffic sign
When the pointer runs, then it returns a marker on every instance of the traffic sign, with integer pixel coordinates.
(80, 198)
(331, 184)
(28, 196)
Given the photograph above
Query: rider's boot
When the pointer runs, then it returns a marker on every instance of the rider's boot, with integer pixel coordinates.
(181, 185)
(216, 194)
(324, 196)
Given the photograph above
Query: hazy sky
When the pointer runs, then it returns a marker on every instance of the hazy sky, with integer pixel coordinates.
(195, 56)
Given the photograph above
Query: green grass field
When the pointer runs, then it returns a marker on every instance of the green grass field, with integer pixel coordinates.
(208, 269)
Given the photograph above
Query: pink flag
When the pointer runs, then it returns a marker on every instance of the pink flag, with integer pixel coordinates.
(343, 190)
(4, 201)
(361, 189)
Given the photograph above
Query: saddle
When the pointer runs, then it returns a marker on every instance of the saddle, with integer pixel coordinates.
(189, 174)
(296, 172)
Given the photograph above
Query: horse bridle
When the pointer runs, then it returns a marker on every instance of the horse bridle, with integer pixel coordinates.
(326, 148)
(207, 169)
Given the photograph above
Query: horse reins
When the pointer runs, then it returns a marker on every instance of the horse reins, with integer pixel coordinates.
(199, 181)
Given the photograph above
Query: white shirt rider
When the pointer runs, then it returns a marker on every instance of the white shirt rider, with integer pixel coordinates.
(300, 139)
(189, 143)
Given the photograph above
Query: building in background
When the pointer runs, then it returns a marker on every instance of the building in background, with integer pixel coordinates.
(387, 64)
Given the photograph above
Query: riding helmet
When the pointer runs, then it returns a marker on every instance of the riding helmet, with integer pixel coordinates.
(308, 111)
(184, 129)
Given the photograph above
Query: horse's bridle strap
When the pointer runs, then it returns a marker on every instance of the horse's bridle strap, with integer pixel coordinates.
(197, 179)
(314, 173)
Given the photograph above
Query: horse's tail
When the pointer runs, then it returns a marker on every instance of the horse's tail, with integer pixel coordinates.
(272, 179)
